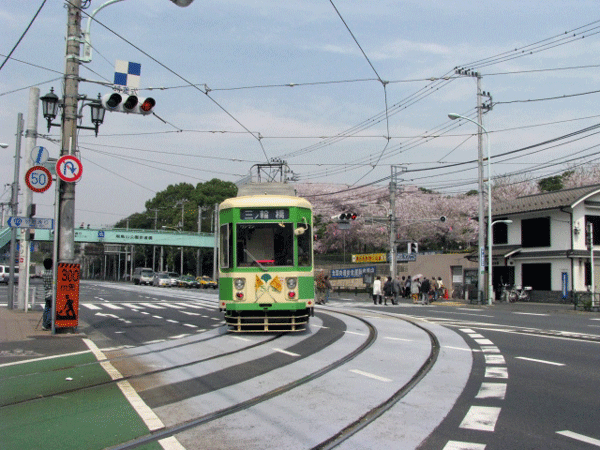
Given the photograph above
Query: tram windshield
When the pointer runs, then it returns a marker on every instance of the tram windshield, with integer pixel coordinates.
(266, 245)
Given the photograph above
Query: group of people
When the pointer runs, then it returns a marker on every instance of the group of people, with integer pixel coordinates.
(424, 291)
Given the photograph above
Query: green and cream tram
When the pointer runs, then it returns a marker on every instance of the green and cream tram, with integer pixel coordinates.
(266, 278)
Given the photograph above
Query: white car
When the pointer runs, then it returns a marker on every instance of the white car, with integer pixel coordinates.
(174, 278)
(161, 279)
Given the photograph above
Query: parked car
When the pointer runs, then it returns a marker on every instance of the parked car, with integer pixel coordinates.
(207, 282)
(174, 278)
(5, 274)
(142, 275)
(188, 281)
(161, 279)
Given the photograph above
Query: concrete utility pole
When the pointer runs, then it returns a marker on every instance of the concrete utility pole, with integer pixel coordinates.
(66, 200)
(30, 142)
(14, 202)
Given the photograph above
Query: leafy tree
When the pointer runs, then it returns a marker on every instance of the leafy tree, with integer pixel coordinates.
(549, 184)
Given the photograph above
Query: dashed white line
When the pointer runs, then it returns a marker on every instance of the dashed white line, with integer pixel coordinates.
(494, 359)
(552, 363)
(529, 314)
(458, 445)
(492, 390)
(580, 437)
(481, 418)
(90, 306)
(496, 372)
(370, 375)
(285, 352)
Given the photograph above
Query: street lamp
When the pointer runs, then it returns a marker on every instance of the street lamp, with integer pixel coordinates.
(490, 225)
(51, 104)
(480, 280)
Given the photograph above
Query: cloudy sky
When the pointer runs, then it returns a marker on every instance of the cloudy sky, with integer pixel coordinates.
(341, 90)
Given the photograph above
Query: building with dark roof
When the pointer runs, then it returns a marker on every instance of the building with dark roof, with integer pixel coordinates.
(545, 245)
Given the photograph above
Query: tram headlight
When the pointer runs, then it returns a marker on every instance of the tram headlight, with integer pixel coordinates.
(239, 283)
(291, 283)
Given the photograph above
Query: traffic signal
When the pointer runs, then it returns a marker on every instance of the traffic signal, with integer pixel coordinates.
(413, 247)
(128, 103)
(344, 217)
(443, 219)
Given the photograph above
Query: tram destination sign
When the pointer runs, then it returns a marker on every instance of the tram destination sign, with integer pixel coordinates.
(265, 214)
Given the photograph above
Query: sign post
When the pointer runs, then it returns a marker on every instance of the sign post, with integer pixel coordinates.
(66, 310)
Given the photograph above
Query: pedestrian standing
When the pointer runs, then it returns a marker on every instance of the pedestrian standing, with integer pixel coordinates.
(398, 288)
(425, 286)
(388, 290)
(434, 288)
(377, 290)
(47, 278)
(415, 288)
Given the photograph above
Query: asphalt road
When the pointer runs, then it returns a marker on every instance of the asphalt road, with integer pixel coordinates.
(532, 383)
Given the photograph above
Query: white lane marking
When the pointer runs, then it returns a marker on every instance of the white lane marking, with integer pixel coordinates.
(354, 332)
(190, 325)
(370, 375)
(468, 331)
(539, 361)
(285, 352)
(132, 306)
(481, 418)
(484, 342)
(494, 359)
(580, 437)
(172, 321)
(490, 349)
(171, 443)
(492, 390)
(157, 317)
(110, 306)
(189, 305)
(144, 312)
(151, 305)
(398, 339)
(90, 306)
(150, 419)
(476, 336)
(179, 336)
(530, 314)
(241, 338)
(190, 313)
(170, 305)
(496, 372)
(155, 341)
(458, 445)
(43, 358)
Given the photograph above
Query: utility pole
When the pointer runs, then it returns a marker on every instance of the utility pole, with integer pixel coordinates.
(14, 202)
(393, 259)
(66, 201)
(481, 208)
(30, 141)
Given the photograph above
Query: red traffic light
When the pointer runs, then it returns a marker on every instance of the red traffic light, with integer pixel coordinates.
(147, 105)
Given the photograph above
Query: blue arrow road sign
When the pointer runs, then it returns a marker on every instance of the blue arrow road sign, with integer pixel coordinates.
(30, 222)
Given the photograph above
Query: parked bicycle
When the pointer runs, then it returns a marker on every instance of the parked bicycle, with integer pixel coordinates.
(518, 293)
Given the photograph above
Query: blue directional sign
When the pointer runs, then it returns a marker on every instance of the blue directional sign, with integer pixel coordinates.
(30, 222)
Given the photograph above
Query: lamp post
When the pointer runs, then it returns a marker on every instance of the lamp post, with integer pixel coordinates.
(480, 278)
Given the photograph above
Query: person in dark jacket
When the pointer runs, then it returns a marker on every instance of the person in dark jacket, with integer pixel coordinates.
(388, 290)
(425, 288)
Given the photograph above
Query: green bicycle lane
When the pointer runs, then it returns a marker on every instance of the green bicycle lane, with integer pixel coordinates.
(65, 402)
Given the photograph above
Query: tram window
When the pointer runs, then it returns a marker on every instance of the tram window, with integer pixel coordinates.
(226, 243)
(265, 244)
(304, 247)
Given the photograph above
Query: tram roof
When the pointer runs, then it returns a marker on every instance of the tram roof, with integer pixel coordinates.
(265, 201)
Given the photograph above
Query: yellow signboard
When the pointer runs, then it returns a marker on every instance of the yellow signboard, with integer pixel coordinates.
(370, 258)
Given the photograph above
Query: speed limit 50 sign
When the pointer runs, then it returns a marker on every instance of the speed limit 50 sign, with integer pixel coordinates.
(38, 179)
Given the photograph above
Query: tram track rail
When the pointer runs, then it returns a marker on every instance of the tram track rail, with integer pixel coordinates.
(336, 439)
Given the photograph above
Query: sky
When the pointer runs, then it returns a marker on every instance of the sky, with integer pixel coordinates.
(342, 91)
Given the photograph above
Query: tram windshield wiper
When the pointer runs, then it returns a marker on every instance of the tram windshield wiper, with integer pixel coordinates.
(255, 260)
